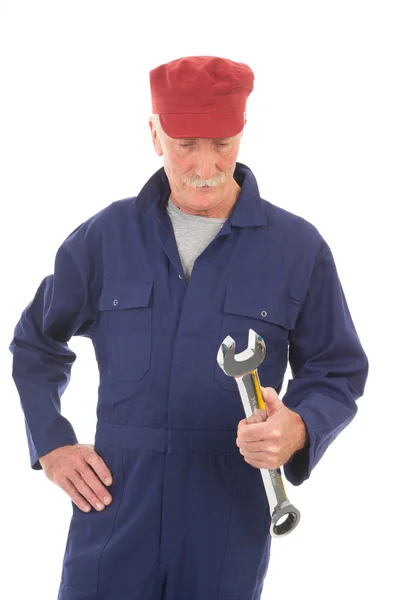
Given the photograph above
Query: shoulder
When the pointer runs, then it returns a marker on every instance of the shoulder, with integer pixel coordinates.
(116, 212)
(294, 231)
(112, 215)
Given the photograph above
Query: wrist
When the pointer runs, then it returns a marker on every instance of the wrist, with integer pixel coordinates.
(302, 433)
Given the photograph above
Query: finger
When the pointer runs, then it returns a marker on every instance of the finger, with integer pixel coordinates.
(259, 446)
(75, 496)
(257, 464)
(90, 477)
(255, 455)
(99, 466)
(258, 454)
(258, 416)
(264, 455)
(254, 432)
(85, 490)
(263, 464)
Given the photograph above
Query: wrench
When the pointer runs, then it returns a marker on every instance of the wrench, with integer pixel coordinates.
(243, 367)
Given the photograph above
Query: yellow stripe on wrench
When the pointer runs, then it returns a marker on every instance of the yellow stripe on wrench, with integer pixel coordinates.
(256, 383)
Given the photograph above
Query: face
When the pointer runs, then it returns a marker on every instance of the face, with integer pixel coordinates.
(200, 172)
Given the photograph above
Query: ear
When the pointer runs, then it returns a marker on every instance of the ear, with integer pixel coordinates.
(155, 139)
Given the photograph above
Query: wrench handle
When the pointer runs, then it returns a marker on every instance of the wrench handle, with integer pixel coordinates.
(279, 505)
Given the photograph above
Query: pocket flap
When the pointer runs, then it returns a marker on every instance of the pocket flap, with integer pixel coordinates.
(128, 293)
(278, 309)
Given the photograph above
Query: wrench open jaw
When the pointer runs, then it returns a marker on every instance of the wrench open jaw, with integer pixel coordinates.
(245, 362)
(243, 367)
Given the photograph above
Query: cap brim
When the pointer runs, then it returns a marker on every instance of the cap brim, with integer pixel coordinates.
(210, 125)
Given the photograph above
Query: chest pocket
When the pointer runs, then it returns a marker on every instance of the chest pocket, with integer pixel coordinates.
(270, 315)
(126, 308)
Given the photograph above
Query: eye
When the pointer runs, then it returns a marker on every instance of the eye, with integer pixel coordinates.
(221, 144)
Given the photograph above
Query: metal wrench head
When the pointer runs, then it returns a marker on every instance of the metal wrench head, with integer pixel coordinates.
(245, 362)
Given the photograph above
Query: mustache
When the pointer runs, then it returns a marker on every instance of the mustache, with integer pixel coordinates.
(195, 182)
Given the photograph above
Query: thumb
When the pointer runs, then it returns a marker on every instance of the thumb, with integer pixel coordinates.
(271, 400)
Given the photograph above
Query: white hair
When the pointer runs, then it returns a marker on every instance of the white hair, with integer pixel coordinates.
(161, 133)
(157, 125)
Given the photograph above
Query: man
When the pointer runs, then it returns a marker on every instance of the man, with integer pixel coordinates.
(157, 281)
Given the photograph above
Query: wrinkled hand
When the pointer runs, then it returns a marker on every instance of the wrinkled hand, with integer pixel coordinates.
(79, 471)
(270, 437)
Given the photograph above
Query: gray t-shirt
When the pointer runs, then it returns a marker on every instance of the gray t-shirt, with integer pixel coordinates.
(192, 233)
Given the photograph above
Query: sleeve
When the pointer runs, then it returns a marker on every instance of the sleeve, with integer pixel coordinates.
(42, 360)
(329, 368)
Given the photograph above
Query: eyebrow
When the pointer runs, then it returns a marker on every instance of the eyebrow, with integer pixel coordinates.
(194, 139)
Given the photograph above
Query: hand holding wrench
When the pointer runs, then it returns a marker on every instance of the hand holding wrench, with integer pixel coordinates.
(243, 367)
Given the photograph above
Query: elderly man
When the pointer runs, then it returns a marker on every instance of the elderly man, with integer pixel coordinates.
(169, 503)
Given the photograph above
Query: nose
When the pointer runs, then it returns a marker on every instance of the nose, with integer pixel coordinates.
(205, 164)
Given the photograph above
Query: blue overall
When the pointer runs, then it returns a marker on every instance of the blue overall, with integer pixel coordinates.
(189, 518)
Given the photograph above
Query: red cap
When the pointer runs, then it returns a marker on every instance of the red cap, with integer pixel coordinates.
(201, 96)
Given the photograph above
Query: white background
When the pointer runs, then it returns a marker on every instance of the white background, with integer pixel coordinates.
(322, 139)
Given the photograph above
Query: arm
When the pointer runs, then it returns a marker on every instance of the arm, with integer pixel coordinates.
(42, 361)
(329, 368)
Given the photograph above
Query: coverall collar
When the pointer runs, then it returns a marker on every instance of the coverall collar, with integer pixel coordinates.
(247, 211)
